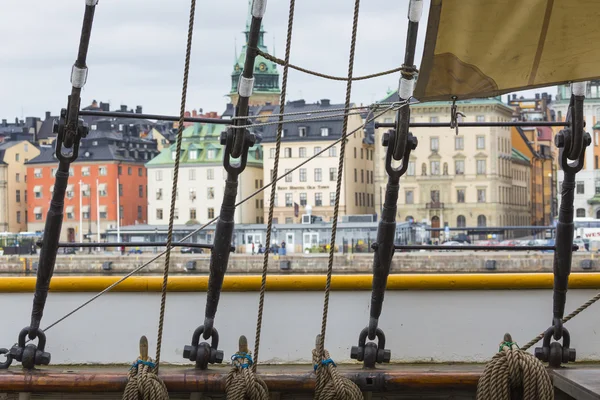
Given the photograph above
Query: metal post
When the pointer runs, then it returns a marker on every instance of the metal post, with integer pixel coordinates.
(118, 210)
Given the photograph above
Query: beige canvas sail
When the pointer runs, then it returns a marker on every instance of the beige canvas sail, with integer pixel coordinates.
(483, 48)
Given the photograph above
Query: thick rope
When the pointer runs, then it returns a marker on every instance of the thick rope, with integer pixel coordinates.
(242, 383)
(143, 384)
(186, 70)
(330, 385)
(513, 373)
(286, 63)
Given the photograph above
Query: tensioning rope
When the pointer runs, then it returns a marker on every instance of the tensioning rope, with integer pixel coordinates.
(144, 374)
(329, 384)
(513, 373)
(242, 382)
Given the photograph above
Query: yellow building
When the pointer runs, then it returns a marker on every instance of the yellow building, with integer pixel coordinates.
(13, 184)
(313, 185)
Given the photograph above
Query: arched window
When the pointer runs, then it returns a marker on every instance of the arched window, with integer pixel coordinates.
(423, 169)
(598, 214)
(581, 213)
(409, 219)
(481, 220)
(461, 221)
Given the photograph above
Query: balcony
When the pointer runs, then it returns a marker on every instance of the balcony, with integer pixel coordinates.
(434, 205)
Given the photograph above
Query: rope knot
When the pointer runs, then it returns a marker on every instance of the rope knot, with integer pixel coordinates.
(143, 382)
(330, 384)
(242, 383)
(237, 360)
(326, 362)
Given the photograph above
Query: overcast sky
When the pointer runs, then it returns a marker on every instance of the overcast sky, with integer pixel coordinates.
(137, 51)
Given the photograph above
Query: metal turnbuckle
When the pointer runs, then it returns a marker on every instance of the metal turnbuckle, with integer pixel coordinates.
(29, 355)
(555, 353)
(204, 353)
(371, 353)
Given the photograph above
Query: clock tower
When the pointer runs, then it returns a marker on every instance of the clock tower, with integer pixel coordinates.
(266, 76)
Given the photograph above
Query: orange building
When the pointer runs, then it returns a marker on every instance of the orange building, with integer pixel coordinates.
(107, 186)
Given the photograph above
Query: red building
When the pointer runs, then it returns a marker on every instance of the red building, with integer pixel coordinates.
(109, 176)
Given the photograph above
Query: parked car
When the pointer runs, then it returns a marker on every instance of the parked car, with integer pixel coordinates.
(510, 243)
(461, 237)
(192, 250)
(580, 244)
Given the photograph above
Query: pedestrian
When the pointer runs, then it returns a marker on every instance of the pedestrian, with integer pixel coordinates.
(282, 248)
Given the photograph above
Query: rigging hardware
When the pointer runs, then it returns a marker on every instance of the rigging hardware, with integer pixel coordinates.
(69, 129)
(571, 142)
(454, 114)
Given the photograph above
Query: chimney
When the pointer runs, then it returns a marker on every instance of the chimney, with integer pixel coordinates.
(16, 121)
(138, 109)
(514, 97)
(48, 115)
(94, 104)
(194, 113)
(545, 95)
(549, 98)
(325, 102)
(4, 123)
(104, 106)
(537, 96)
(123, 108)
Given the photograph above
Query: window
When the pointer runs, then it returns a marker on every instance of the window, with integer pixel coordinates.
(129, 171)
(287, 152)
(17, 157)
(580, 187)
(288, 177)
(460, 195)
(434, 119)
(481, 195)
(140, 172)
(102, 190)
(302, 174)
(102, 171)
(192, 213)
(302, 199)
(361, 154)
(120, 170)
(211, 154)
(480, 167)
(210, 174)
(324, 131)
(141, 192)
(159, 213)
(317, 150)
(272, 153)
(302, 152)
(289, 199)
(435, 168)
(362, 176)
(435, 196)
(192, 194)
(139, 213)
(410, 171)
(193, 154)
(302, 130)
(18, 194)
(434, 143)
(481, 220)
(157, 175)
(480, 118)
(318, 175)
(38, 192)
(289, 220)
(84, 214)
(120, 189)
(580, 213)
(461, 221)
(37, 173)
(38, 215)
(459, 143)
(480, 142)
(176, 213)
(211, 213)
(192, 174)
(18, 177)
(355, 152)
(332, 174)
(459, 167)
(409, 197)
(331, 198)
(318, 199)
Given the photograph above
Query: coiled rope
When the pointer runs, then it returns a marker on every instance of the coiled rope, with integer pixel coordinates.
(513, 373)
(142, 382)
(329, 384)
(242, 383)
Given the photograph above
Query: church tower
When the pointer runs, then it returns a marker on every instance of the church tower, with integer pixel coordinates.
(266, 76)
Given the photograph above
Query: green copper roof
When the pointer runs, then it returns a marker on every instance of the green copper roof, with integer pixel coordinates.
(517, 155)
(265, 71)
(201, 145)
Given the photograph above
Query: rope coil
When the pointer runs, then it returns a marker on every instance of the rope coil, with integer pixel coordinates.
(330, 384)
(513, 373)
(142, 382)
(241, 382)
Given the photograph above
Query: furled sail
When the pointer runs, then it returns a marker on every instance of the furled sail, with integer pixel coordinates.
(483, 48)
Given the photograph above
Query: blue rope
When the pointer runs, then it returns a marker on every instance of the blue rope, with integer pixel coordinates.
(243, 356)
(324, 363)
(138, 362)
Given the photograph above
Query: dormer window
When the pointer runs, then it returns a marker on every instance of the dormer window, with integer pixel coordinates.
(211, 154)
(302, 131)
(173, 154)
(94, 127)
(324, 131)
(193, 154)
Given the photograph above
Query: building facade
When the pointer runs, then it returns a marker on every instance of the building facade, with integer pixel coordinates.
(13, 184)
(587, 192)
(313, 185)
(456, 180)
(201, 180)
(107, 185)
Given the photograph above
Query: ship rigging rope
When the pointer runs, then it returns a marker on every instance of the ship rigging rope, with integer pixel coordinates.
(143, 381)
(514, 371)
(242, 382)
(285, 63)
(329, 384)
(393, 106)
